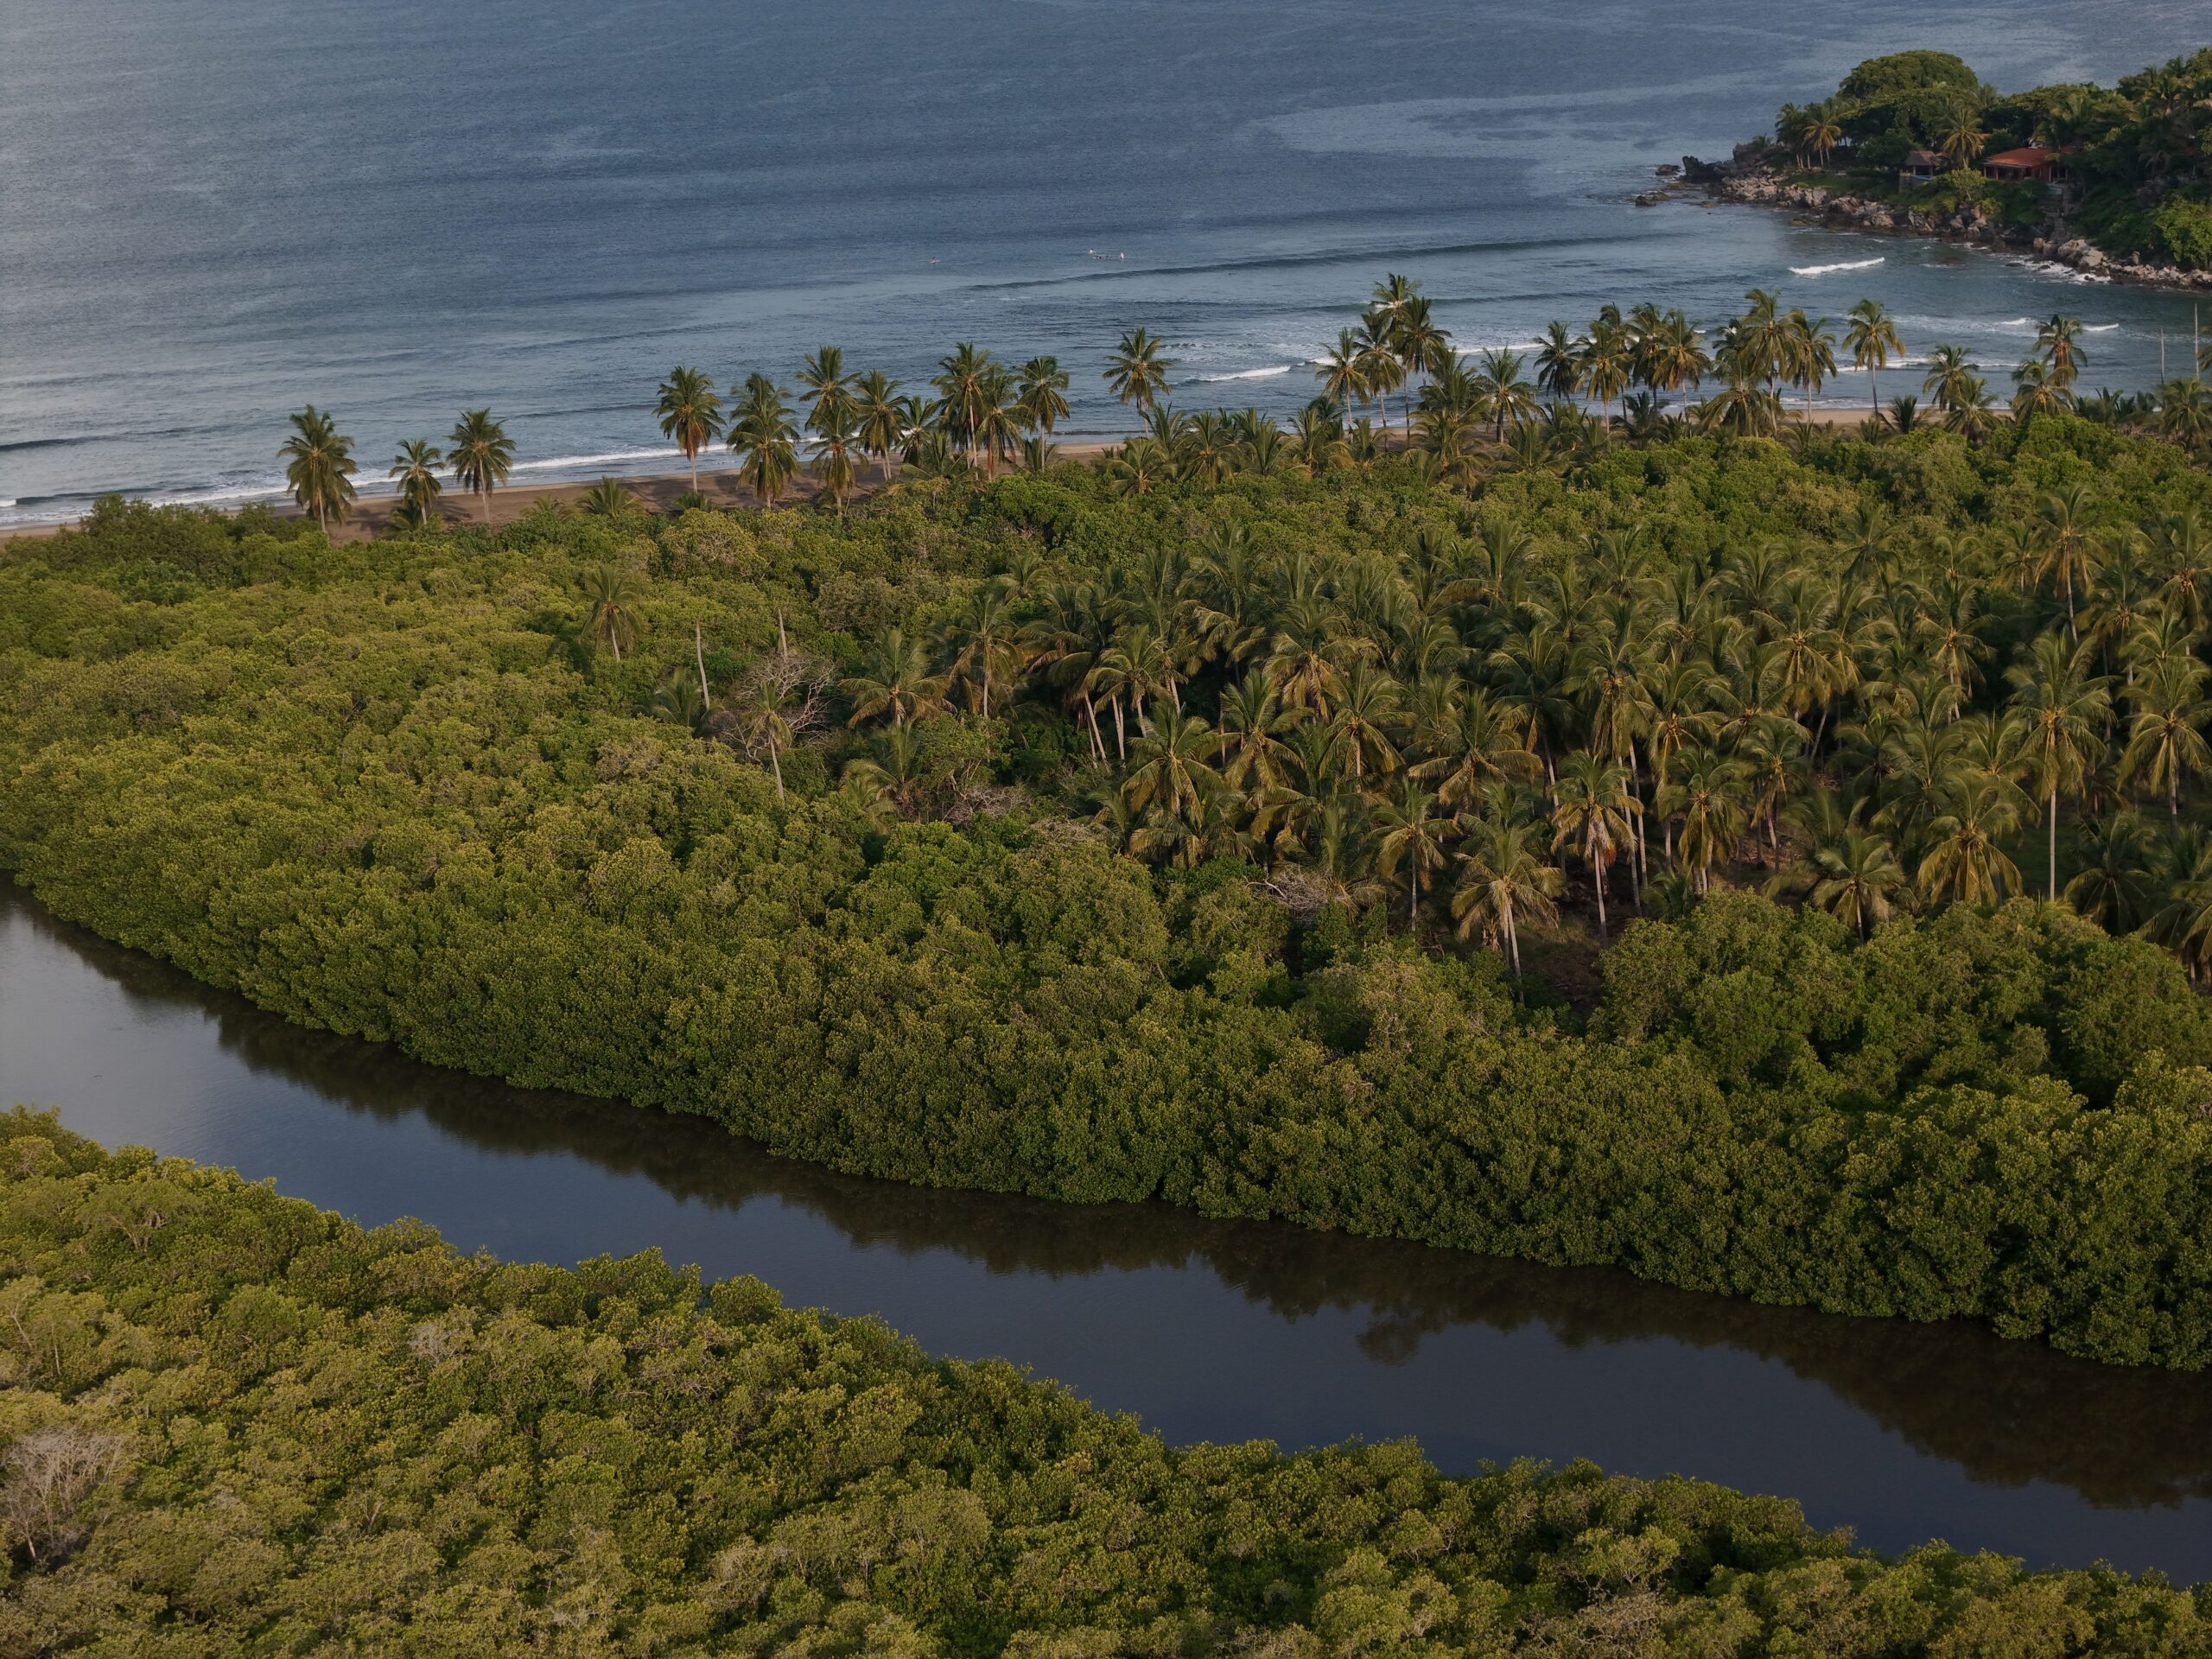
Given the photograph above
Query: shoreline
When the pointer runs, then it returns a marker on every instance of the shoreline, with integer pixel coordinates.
(1757, 186)
(659, 492)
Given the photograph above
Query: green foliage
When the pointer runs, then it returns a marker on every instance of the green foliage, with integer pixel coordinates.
(2183, 225)
(402, 790)
(232, 1423)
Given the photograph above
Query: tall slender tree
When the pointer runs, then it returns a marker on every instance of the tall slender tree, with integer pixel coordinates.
(691, 413)
(319, 466)
(482, 455)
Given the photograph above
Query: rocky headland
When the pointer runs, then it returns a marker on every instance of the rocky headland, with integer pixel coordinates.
(1750, 176)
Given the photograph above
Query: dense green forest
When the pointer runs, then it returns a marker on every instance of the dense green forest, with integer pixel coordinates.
(1043, 834)
(2139, 154)
(230, 1423)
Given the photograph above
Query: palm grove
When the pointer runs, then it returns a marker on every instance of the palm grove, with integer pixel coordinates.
(1502, 717)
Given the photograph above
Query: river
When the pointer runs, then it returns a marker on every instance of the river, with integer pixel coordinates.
(1207, 1330)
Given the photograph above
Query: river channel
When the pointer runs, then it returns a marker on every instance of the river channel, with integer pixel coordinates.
(1208, 1330)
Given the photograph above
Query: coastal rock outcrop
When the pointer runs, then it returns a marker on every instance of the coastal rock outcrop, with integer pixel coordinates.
(1761, 187)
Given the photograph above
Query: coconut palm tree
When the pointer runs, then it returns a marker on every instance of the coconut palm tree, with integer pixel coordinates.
(1168, 766)
(481, 455)
(836, 442)
(895, 681)
(882, 432)
(2185, 415)
(2165, 741)
(1559, 362)
(823, 379)
(2065, 522)
(1380, 370)
(761, 434)
(2059, 342)
(2115, 886)
(415, 468)
(1344, 382)
(1137, 372)
(2064, 706)
(1858, 878)
(1594, 812)
(1704, 795)
(1963, 140)
(1504, 880)
(1414, 833)
(1041, 396)
(690, 412)
(1317, 437)
(1965, 862)
(1949, 374)
(1809, 349)
(608, 497)
(319, 466)
(1869, 334)
(984, 640)
(612, 595)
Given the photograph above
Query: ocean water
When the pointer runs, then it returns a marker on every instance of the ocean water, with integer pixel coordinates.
(214, 211)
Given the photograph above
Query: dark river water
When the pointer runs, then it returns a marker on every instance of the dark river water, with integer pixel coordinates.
(1207, 1330)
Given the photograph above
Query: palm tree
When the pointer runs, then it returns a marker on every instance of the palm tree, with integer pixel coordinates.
(1858, 878)
(1963, 140)
(761, 432)
(1413, 835)
(1344, 382)
(895, 681)
(1949, 374)
(1965, 860)
(2115, 886)
(1673, 358)
(1809, 354)
(836, 441)
(823, 377)
(609, 497)
(612, 595)
(416, 469)
(2065, 519)
(983, 639)
(1594, 813)
(1137, 372)
(482, 455)
(1040, 395)
(1316, 440)
(882, 431)
(690, 414)
(2065, 707)
(894, 774)
(1504, 881)
(2059, 340)
(1870, 334)
(1705, 793)
(320, 466)
(1168, 766)
(1502, 389)
(2165, 739)
(2184, 416)
(1380, 370)
(1559, 362)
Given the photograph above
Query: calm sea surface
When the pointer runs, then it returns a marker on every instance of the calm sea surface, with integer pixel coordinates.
(1209, 1330)
(213, 211)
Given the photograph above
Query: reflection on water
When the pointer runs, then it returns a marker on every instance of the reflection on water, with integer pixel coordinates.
(1209, 1329)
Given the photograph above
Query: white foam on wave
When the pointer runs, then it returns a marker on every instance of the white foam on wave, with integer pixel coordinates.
(2016, 322)
(1243, 374)
(556, 463)
(2099, 327)
(1846, 264)
(6, 501)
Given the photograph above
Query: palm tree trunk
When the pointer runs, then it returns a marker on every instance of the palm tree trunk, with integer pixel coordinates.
(699, 656)
(1597, 883)
(1513, 941)
(1120, 731)
(2051, 813)
(776, 764)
